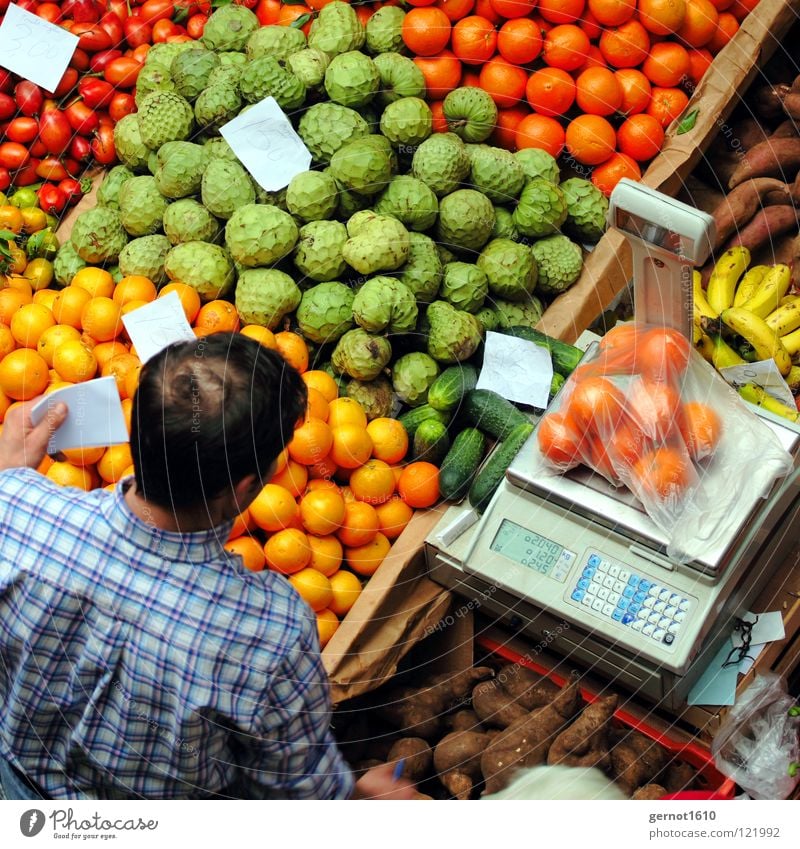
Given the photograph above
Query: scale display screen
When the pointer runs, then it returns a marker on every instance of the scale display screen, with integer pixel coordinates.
(527, 548)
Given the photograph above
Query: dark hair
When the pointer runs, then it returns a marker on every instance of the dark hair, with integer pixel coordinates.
(208, 413)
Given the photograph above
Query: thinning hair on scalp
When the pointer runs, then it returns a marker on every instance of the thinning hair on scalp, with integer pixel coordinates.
(208, 413)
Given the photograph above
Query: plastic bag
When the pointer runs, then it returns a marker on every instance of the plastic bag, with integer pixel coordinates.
(757, 744)
(648, 412)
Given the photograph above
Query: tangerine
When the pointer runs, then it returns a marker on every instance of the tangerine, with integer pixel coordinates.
(96, 281)
(612, 13)
(65, 474)
(317, 406)
(293, 349)
(323, 383)
(598, 92)
(474, 40)
(662, 17)
(114, 463)
(28, 324)
(625, 46)
(373, 482)
(610, 172)
(699, 23)
(636, 91)
(23, 374)
(640, 137)
(389, 439)
(346, 589)
(654, 408)
(504, 82)
(326, 554)
(666, 104)
(190, 300)
(442, 73)
(262, 335)
(311, 442)
(313, 587)
(322, 511)
(550, 91)
(663, 473)
(566, 46)
(365, 559)
(68, 305)
(218, 316)
(287, 551)
(274, 508)
(101, 319)
(419, 484)
(542, 132)
(12, 300)
(327, 621)
(519, 41)
(561, 11)
(393, 517)
(667, 65)
(590, 139)
(701, 428)
(360, 524)
(294, 478)
(426, 31)
(252, 554)
(559, 440)
(134, 287)
(352, 446)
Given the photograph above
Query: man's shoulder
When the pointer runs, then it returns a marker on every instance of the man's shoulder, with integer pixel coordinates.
(24, 488)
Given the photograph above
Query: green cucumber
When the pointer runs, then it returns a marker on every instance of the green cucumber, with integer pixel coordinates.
(491, 413)
(493, 472)
(415, 417)
(451, 385)
(431, 442)
(461, 463)
(565, 357)
(556, 383)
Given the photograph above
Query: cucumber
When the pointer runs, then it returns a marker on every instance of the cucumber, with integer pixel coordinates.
(415, 417)
(431, 442)
(565, 357)
(461, 463)
(451, 385)
(492, 474)
(491, 413)
(556, 383)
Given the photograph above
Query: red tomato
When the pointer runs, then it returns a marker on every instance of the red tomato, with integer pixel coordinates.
(122, 104)
(50, 168)
(195, 26)
(91, 37)
(100, 61)
(55, 131)
(163, 29)
(37, 149)
(83, 11)
(120, 8)
(13, 155)
(8, 107)
(103, 145)
(6, 81)
(113, 26)
(267, 12)
(123, 72)
(65, 84)
(5, 179)
(22, 130)
(96, 93)
(157, 10)
(27, 176)
(81, 118)
(137, 32)
(28, 5)
(29, 97)
(73, 168)
(51, 199)
(72, 189)
(80, 60)
(80, 149)
(49, 12)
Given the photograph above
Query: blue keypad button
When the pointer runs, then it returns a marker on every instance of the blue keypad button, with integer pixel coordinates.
(578, 595)
(628, 592)
(594, 560)
(644, 585)
(622, 604)
(634, 608)
(617, 615)
(627, 619)
(588, 573)
(640, 597)
(633, 580)
(583, 584)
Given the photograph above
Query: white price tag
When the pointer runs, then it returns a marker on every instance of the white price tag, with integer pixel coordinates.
(763, 373)
(266, 144)
(518, 370)
(94, 416)
(157, 325)
(34, 48)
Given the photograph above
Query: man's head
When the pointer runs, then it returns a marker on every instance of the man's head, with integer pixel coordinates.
(209, 419)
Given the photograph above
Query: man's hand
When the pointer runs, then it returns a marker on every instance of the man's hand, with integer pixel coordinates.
(378, 783)
(24, 444)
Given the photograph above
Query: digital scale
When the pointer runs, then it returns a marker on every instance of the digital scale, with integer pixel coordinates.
(578, 565)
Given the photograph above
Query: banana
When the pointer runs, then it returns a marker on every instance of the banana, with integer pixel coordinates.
(722, 283)
(770, 291)
(748, 284)
(792, 342)
(723, 355)
(793, 379)
(701, 304)
(764, 340)
(705, 347)
(756, 395)
(785, 319)
(788, 299)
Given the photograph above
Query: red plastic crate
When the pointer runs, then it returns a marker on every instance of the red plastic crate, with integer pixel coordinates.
(709, 778)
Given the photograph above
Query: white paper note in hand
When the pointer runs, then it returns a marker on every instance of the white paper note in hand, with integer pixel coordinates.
(157, 325)
(94, 415)
(267, 145)
(518, 370)
(35, 49)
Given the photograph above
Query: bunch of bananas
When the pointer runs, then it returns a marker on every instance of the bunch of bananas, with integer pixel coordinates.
(749, 306)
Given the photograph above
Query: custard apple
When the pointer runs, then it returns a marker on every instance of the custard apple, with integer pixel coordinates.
(108, 193)
(364, 166)
(470, 113)
(587, 208)
(541, 210)
(164, 116)
(225, 187)
(152, 77)
(382, 244)
(385, 304)
(164, 53)
(560, 262)
(229, 28)
(180, 169)
(422, 273)
(349, 202)
(325, 127)
(309, 66)
(351, 79)
(205, 267)
(407, 121)
(496, 173)
(361, 355)
(312, 196)
(265, 77)
(318, 254)
(466, 219)
(375, 397)
(337, 29)
(264, 296)
(232, 58)
(454, 334)
(385, 30)
(257, 234)
(98, 235)
(227, 76)
(141, 206)
(187, 220)
(216, 106)
(510, 269)
(464, 286)
(538, 163)
(326, 312)
(145, 256)
(412, 376)
(131, 150)
(441, 162)
(512, 314)
(218, 148)
(488, 319)
(190, 71)
(274, 41)
(400, 77)
(408, 200)
(67, 264)
(504, 227)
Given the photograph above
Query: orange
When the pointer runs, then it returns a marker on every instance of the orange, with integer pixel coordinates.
(662, 17)
(292, 347)
(740, 9)
(664, 473)
(45, 297)
(513, 8)
(74, 361)
(23, 374)
(7, 341)
(313, 587)
(667, 65)
(287, 551)
(625, 46)
(14, 281)
(281, 460)
(474, 40)
(83, 456)
(373, 482)
(218, 316)
(590, 25)
(595, 404)
(131, 382)
(442, 73)
(106, 350)
(598, 92)
(454, 9)
(322, 512)
(559, 440)
(607, 175)
(636, 91)
(561, 11)
(550, 91)
(326, 554)
(190, 300)
(655, 408)
(365, 559)
(504, 133)
(316, 484)
(699, 24)
(263, 335)
(311, 442)
(612, 13)
(590, 139)
(666, 104)
(327, 621)
(132, 306)
(640, 137)
(393, 516)
(419, 484)
(701, 428)
(12, 300)
(96, 281)
(352, 446)
(727, 27)
(28, 324)
(134, 287)
(541, 132)
(594, 59)
(699, 62)
(289, 14)
(438, 121)
(662, 354)
(68, 305)
(112, 465)
(426, 31)
(65, 474)
(346, 589)
(389, 439)
(120, 368)
(249, 550)
(323, 383)
(360, 524)
(294, 478)
(519, 41)
(566, 46)
(241, 525)
(5, 403)
(346, 411)
(101, 319)
(59, 384)
(317, 406)
(504, 82)
(273, 508)
(323, 470)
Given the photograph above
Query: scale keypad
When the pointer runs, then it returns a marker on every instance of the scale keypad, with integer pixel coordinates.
(615, 592)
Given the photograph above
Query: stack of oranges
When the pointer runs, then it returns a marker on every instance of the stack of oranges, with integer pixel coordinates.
(597, 79)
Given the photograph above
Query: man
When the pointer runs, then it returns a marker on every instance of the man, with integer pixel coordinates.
(137, 658)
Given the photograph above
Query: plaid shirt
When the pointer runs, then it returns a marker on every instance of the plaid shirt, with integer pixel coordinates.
(136, 662)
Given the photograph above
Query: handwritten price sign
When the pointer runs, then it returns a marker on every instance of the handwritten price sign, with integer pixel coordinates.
(35, 49)
(267, 145)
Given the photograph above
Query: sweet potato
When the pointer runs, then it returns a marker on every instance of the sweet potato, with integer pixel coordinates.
(765, 227)
(460, 752)
(458, 784)
(650, 792)
(494, 707)
(526, 741)
(749, 133)
(785, 130)
(677, 776)
(768, 100)
(796, 262)
(527, 687)
(463, 720)
(738, 207)
(771, 158)
(417, 755)
(585, 742)
(636, 760)
(791, 105)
